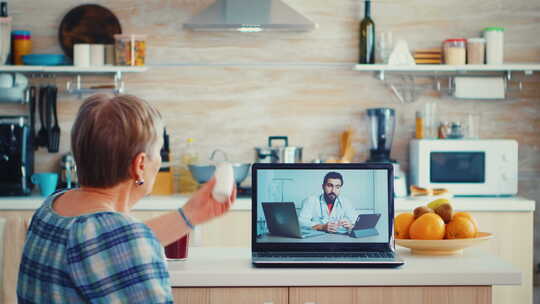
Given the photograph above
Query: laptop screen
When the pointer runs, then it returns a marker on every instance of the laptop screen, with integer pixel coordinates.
(322, 206)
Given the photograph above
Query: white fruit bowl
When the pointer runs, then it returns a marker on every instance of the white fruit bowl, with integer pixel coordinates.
(442, 247)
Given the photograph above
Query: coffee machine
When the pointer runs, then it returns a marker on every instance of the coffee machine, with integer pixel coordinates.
(16, 156)
(382, 126)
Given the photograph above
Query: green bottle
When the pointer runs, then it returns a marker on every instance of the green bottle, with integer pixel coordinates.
(367, 37)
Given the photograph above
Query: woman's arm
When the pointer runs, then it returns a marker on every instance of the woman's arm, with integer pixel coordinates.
(200, 208)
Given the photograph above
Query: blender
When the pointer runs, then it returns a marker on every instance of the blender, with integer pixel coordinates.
(382, 123)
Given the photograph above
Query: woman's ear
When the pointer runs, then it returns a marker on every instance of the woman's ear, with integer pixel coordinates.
(137, 166)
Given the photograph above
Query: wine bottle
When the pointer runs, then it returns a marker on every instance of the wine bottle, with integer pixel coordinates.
(367, 37)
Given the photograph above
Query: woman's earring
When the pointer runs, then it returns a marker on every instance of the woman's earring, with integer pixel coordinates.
(139, 182)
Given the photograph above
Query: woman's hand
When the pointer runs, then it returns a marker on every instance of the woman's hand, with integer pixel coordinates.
(202, 207)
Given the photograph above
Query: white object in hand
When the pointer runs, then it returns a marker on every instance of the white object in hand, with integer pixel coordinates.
(224, 182)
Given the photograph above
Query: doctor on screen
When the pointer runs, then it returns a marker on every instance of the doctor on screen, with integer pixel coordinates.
(327, 211)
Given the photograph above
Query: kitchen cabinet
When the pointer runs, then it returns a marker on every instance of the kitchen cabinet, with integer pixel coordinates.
(264, 295)
(391, 295)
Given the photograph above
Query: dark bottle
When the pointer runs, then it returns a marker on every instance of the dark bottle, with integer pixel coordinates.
(367, 37)
(3, 9)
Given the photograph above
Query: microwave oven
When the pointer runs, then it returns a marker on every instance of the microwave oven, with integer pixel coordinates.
(475, 167)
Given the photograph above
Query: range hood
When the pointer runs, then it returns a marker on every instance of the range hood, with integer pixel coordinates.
(249, 16)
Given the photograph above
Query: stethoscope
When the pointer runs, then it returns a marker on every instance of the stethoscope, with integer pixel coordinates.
(324, 216)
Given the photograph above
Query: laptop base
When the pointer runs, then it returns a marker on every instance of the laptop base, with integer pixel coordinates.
(361, 233)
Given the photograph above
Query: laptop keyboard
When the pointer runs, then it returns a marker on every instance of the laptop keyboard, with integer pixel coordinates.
(331, 256)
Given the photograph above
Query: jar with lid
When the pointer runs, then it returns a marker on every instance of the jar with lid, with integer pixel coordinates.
(22, 45)
(494, 45)
(130, 49)
(476, 50)
(454, 51)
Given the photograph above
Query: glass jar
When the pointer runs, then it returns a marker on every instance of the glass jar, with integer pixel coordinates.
(22, 45)
(130, 49)
(494, 45)
(476, 50)
(454, 51)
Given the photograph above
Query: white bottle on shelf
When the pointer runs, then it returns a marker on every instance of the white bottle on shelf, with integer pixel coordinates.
(494, 45)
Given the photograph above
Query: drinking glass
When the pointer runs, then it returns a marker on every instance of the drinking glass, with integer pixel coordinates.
(384, 46)
(473, 126)
(5, 38)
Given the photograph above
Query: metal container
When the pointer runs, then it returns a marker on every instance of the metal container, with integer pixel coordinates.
(279, 154)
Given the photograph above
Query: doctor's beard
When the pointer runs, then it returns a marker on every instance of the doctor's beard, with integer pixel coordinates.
(330, 197)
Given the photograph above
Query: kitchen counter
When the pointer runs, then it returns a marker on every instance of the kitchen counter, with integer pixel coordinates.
(208, 266)
(497, 204)
(225, 275)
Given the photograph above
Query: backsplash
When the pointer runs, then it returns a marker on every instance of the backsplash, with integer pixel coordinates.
(233, 90)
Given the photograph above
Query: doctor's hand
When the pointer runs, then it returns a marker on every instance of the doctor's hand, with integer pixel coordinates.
(346, 224)
(329, 227)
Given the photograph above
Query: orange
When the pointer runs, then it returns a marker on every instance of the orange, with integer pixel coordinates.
(402, 223)
(429, 226)
(460, 228)
(470, 217)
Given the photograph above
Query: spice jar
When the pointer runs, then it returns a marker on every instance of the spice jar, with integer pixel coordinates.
(22, 45)
(130, 49)
(476, 50)
(454, 51)
(494, 45)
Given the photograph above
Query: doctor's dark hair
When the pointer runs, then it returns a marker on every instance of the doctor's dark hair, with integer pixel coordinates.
(333, 175)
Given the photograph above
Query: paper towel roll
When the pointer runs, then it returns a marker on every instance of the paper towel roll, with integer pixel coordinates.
(81, 55)
(97, 54)
(479, 87)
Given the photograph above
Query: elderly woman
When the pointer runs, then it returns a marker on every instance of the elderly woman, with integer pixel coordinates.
(82, 245)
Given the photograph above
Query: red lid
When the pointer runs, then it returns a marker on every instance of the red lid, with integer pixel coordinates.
(456, 40)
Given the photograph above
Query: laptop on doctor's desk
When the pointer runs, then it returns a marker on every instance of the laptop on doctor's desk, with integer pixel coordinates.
(283, 243)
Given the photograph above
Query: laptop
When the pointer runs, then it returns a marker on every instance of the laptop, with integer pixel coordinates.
(282, 220)
(355, 188)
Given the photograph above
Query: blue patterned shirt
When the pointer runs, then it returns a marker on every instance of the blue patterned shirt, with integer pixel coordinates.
(103, 257)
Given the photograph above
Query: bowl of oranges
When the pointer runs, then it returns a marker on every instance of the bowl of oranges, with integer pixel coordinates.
(436, 229)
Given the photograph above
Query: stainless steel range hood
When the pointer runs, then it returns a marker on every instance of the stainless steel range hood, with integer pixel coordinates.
(249, 16)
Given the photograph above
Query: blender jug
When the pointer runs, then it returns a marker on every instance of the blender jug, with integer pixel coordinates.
(382, 124)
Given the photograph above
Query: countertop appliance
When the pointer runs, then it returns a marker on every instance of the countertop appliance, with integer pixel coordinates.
(278, 154)
(382, 122)
(16, 156)
(249, 16)
(476, 167)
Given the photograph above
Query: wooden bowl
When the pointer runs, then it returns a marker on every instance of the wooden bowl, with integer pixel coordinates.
(442, 247)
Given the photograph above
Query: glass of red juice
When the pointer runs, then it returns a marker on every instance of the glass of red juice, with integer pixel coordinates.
(178, 250)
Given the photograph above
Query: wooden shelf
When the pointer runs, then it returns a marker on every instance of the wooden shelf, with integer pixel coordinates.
(69, 69)
(510, 67)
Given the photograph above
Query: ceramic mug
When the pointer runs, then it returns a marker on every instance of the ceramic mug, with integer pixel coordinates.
(179, 249)
(46, 182)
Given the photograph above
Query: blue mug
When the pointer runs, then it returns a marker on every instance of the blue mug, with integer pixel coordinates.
(46, 182)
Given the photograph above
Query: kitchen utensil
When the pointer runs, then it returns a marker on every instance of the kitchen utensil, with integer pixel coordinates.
(54, 135)
(46, 181)
(32, 103)
(68, 172)
(279, 154)
(203, 173)
(442, 247)
(45, 59)
(88, 23)
(42, 137)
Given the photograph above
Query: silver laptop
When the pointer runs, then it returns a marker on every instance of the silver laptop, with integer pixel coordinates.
(282, 220)
(291, 203)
